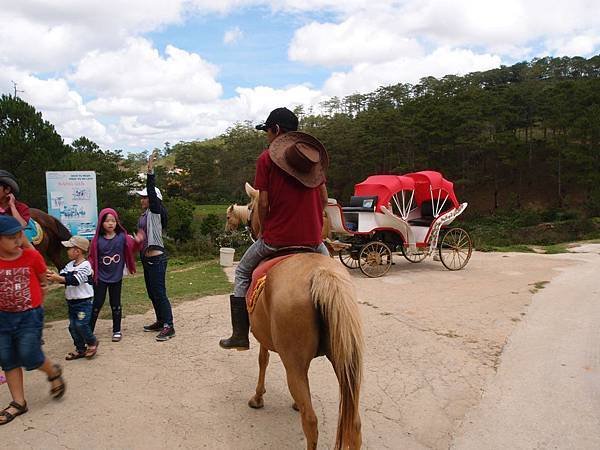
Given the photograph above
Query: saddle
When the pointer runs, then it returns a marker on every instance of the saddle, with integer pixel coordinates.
(34, 232)
(259, 276)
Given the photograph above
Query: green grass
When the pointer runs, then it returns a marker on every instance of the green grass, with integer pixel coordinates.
(522, 248)
(556, 248)
(185, 281)
(205, 210)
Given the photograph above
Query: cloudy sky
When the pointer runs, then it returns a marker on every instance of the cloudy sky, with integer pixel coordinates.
(134, 74)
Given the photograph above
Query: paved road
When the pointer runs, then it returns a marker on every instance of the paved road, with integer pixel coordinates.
(546, 394)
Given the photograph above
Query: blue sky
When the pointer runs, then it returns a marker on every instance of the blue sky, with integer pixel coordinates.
(133, 75)
(260, 57)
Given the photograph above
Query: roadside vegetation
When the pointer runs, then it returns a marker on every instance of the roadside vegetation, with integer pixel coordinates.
(187, 279)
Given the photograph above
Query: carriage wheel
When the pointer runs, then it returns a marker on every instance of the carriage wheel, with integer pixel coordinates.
(455, 249)
(349, 258)
(375, 259)
(413, 257)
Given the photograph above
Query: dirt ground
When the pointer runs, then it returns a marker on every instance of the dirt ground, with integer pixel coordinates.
(433, 341)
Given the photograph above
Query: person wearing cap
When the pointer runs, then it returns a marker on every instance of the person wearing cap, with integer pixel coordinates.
(290, 176)
(77, 276)
(9, 205)
(22, 275)
(153, 255)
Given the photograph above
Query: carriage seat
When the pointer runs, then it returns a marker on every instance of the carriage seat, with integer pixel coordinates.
(427, 218)
(361, 204)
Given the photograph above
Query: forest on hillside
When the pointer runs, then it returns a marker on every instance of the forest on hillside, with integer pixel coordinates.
(527, 135)
(524, 137)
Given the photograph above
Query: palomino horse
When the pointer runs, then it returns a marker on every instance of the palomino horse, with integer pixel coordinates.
(308, 307)
(242, 214)
(53, 233)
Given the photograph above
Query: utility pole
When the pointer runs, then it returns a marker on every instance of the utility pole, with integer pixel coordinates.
(15, 88)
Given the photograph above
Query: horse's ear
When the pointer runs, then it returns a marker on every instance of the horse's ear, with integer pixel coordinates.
(230, 208)
(251, 191)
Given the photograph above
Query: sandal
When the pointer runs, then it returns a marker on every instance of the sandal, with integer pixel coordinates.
(92, 350)
(117, 336)
(57, 391)
(74, 355)
(21, 409)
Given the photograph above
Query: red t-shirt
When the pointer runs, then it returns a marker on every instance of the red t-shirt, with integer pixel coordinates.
(21, 207)
(20, 287)
(295, 214)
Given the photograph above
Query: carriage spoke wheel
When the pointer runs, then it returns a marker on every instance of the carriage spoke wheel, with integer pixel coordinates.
(455, 249)
(414, 257)
(347, 258)
(375, 259)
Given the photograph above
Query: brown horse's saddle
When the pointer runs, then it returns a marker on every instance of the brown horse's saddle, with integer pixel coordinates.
(259, 276)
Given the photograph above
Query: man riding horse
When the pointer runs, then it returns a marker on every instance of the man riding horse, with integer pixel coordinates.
(290, 176)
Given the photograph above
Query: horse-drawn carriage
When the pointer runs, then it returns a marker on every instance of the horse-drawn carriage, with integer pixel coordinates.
(408, 214)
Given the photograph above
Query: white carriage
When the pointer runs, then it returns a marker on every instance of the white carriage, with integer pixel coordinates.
(408, 214)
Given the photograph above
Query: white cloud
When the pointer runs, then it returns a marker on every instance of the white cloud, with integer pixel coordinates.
(59, 104)
(49, 36)
(443, 61)
(232, 35)
(138, 71)
(580, 45)
(88, 68)
(385, 31)
(350, 42)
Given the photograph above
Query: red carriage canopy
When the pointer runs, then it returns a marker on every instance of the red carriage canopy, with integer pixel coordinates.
(428, 185)
(384, 187)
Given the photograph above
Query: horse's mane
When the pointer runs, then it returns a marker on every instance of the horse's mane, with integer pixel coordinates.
(242, 212)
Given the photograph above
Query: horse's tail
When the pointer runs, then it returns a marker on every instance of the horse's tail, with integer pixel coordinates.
(335, 298)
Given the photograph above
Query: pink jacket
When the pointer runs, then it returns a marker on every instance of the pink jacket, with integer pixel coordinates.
(129, 244)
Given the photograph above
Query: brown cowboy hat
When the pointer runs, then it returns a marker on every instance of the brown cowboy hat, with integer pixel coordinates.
(301, 156)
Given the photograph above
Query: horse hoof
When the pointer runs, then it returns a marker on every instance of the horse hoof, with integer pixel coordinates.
(256, 404)
(295, 407)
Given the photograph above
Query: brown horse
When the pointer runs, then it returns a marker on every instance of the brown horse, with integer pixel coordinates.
(238, 215)
(54, 232)
(308, 308)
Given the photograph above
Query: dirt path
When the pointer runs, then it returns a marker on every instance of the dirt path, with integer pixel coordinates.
(547, 391)
(433, 341)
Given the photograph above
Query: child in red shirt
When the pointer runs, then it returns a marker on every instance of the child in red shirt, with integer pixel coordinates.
(22, 272)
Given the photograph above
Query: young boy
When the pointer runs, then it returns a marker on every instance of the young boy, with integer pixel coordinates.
(79, 292)
(22, 273)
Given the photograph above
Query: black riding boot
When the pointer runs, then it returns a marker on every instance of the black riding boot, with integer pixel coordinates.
(241, 325)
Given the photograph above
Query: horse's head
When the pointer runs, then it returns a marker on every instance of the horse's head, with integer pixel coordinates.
(233, 219)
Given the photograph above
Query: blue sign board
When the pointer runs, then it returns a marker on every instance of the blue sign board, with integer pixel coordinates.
(72, 200)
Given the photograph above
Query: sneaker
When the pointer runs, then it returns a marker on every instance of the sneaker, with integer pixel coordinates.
(156, 326)
(117, 336)
(166, 333)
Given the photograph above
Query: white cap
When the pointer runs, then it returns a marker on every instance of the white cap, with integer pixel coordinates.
(144, 193)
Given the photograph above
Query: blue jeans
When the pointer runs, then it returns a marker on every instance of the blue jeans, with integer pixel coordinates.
(21, 339)
(252, 258)
(155, 272)
(80, 316)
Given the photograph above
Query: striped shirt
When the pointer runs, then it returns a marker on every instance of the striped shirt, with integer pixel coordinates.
(153, 220)
(78, 280)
